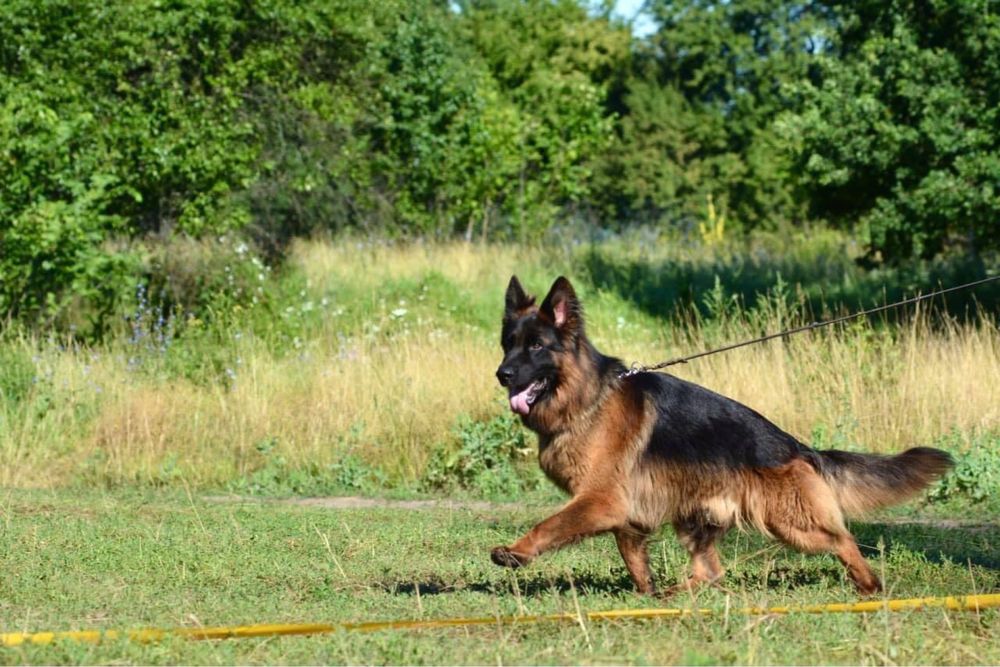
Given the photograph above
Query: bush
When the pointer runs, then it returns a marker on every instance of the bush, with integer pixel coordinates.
(493, 459)
(976, 475)
(191, 278)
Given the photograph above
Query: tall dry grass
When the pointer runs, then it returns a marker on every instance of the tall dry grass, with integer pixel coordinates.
(857, 388)
(388, 388)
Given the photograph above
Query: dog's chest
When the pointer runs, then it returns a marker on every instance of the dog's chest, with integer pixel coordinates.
(563, 459)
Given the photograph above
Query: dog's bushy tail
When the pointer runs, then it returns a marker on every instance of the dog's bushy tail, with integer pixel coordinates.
(865, 482)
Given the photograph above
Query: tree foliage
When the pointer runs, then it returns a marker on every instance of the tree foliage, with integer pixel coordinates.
(125, 124)
(901, 134)
(698, 108)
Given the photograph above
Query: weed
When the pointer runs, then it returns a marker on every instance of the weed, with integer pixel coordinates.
(276, 476)
(493, 459)
(713, 229)
(976, 475)
(17, 376)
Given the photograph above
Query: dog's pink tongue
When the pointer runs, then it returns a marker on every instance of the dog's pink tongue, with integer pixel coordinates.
(519, 403)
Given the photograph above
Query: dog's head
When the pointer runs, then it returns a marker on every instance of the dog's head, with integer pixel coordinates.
(536, 340)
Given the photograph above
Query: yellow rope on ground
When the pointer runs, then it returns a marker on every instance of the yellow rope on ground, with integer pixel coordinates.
(962, 603)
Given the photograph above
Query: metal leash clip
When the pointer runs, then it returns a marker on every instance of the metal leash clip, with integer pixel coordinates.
(632, 370)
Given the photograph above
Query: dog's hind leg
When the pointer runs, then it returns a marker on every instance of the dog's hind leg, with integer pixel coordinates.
(582, 517)
(858, 569)
(808, 518)
(838, 542)
(698, 536)
(632, 544)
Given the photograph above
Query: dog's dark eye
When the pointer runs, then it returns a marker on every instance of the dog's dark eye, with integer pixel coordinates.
(535, 347)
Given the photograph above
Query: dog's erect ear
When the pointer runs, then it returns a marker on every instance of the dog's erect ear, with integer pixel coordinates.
(516, 300)
(562, 307)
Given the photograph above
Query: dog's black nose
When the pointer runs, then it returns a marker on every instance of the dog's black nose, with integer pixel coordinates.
(505, 375)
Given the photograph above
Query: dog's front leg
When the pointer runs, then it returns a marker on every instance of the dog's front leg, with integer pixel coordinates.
(586, 515)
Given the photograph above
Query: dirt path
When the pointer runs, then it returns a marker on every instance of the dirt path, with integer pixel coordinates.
(359, 502)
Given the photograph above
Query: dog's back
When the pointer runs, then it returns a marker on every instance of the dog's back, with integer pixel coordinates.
(710, 456)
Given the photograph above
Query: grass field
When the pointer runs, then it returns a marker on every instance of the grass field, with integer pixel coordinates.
(367, 369)
(127, 560)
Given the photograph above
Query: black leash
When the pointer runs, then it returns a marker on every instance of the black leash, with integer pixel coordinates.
(812, 325)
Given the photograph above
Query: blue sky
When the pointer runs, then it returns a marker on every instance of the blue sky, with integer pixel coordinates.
(628, 9)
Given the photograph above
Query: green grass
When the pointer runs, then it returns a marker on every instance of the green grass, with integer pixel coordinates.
(76, 560)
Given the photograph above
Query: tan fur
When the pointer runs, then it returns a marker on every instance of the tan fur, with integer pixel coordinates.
(591, 442)
(858, 493)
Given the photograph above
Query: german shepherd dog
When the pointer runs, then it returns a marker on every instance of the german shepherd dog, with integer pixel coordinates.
(640, 450)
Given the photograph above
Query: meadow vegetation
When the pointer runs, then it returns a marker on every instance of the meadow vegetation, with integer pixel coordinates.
(263, 247)
(368, 366)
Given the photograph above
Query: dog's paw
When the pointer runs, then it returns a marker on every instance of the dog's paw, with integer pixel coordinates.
(869, 588)
(670, 592)
(504, 557)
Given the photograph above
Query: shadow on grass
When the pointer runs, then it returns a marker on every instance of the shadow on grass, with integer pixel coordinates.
(529, 585)
(830, 281)
(937, 541)
(963, 543)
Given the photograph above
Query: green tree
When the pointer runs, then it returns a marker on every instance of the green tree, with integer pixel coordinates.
(699, 106)
(135, 121)
(555, 62)
(118, 120)
(901, 135)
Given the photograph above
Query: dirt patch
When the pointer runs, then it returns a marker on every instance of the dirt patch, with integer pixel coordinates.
(359, 502)
(355, 502)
